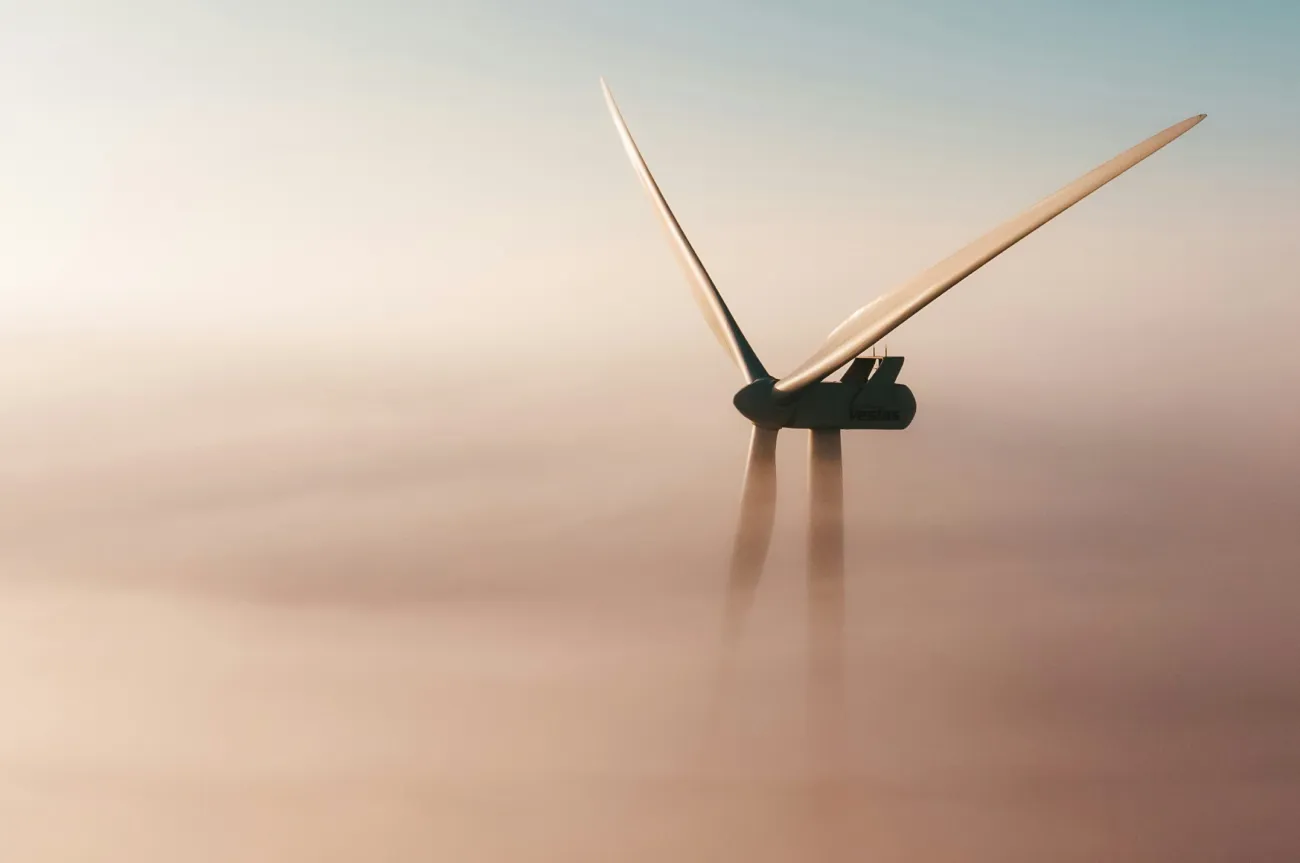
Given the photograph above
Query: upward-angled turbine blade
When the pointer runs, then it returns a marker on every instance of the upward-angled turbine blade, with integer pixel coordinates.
(710, 301)
(754, 529)
(874, 321)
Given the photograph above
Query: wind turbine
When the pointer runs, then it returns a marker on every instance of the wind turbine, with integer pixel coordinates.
(867, 396)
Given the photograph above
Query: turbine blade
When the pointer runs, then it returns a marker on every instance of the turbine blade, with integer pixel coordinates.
(753, 536)
(877, 319)
(825, 591)
(716, 313)
(754, 528)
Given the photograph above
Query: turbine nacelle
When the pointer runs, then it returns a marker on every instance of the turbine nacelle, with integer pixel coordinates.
(867, 397)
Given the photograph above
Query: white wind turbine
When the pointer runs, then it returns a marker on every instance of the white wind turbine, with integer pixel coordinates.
(866, 397)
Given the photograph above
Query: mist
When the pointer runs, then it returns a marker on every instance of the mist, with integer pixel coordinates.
(334, 605)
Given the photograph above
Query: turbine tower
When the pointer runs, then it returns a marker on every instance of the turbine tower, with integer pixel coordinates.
(867, 396)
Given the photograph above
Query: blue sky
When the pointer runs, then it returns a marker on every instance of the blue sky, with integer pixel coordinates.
(447, 170)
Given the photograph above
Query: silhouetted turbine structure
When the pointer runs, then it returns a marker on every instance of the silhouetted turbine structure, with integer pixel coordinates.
(867, 396)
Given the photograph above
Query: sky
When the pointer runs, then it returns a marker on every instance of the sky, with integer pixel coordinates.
(370, 475)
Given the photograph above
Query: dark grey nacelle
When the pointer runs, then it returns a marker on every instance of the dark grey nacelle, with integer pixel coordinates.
(860, 400)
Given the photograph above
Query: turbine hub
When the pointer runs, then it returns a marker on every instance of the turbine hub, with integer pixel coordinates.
(758, 403)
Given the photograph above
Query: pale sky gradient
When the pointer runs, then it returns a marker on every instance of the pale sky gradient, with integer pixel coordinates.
(369, 474)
